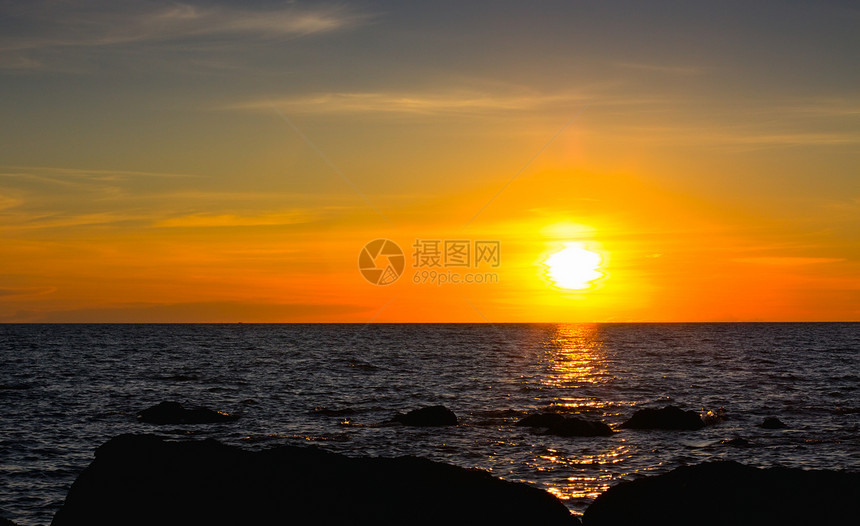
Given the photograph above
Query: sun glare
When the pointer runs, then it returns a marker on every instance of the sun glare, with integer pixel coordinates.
(573, 267)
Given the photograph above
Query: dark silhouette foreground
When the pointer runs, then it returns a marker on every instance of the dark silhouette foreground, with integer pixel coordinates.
(143, 479)
(571, 426)
(433, 416)
(669, 417)
(728, 493)
(174, 413)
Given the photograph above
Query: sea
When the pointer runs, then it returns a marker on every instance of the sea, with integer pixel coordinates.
(66, 389)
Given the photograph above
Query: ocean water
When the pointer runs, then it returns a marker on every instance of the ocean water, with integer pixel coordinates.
(66, 389)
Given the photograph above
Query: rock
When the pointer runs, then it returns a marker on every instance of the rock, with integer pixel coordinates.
(325, 411)
(737, 442)
(710, 418)
(6, 522)
(723, 492)
(174, 413)
(670, 417)
(145, 480)
(772, 422)
(577, 427)
(556, 424)
(436, 415)
(541, 420)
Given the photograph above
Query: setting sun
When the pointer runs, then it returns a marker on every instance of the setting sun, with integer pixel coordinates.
(573, 267)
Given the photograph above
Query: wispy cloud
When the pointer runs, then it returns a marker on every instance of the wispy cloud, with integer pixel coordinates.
(421, 103)
(19, 62)
(25, 291)
(208, 311)
(34, 198)
(735, 138)
(78, 174)
(823, 107)
(236, 220)
(787, 261)
(44, 26)
(664, 69)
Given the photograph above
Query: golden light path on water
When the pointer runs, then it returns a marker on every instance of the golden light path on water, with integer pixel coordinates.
(576, 362)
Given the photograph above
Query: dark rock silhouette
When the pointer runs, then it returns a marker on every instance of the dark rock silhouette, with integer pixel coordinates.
(541, 420)
(577, 427)
(570, 426)
(723, 492)
(773, 422)
(6, 522)
(736, 442)
(145, 480)
(325, 411)
(174, 413)
(710, 418)
(669, 417)
(436, 415)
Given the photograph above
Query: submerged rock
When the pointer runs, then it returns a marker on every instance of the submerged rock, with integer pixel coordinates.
(577, 427)
(436, 415)
(772, 422)
(669, 417)
(724, 492)
(174, 413)
(541, 420)
(145, 480)
(571, 426)
(710, 417)
(736, 442)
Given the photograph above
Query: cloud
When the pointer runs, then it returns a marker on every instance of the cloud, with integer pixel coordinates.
(684, 71)
(193, 312)
(233, 220)
(782, 261)
(65, 220)
(19, 62)
(8, 202)
(735, 138)
(823, 107)
(421, 103)
(25, 291)
(72, 175)
(50, 26)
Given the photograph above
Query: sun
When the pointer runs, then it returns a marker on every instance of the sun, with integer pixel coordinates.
(573, 267)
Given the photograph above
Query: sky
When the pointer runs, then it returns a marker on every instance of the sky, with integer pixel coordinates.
(229, 161)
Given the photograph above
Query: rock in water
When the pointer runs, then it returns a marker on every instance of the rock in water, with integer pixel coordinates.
(670, 417)
(436, 415)
(773, 422)
(145, 480)
(541, 420)
(736, 442)
(174, 413)
(710, 418)
(571, 426)
(723, 492)
(577, 427)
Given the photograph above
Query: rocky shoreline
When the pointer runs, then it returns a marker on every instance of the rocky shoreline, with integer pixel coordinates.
(139, 479)
(145, 479)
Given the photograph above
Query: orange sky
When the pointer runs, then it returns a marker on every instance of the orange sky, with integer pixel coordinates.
(229, 165)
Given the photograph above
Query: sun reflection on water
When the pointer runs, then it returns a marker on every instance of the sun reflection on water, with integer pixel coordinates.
(576, 357)
(579, 368)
